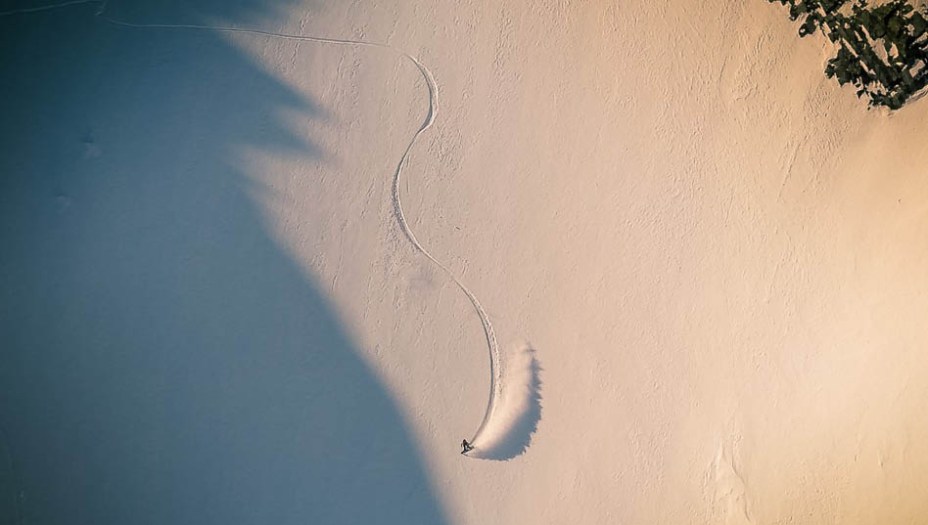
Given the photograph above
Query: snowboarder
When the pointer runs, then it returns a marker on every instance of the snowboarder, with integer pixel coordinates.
(466, 446)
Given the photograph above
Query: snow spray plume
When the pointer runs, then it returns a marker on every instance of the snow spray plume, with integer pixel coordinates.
(516, 409)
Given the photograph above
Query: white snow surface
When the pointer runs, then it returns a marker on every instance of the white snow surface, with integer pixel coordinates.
(319, 271)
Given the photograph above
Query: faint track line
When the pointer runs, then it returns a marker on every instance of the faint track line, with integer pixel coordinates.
(24, 10)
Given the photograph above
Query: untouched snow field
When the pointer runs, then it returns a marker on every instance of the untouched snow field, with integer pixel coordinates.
(252, 278)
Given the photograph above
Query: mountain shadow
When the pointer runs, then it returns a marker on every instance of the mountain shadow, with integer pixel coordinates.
(162, 359)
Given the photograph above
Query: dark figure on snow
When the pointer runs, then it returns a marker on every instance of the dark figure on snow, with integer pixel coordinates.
(466, 446)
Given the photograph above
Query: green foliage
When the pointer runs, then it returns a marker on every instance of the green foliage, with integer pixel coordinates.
(882, 49)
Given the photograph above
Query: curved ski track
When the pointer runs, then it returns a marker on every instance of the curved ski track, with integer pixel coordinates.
(492, 345)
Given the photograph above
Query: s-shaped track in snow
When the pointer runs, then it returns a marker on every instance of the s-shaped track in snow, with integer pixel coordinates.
(492, 345)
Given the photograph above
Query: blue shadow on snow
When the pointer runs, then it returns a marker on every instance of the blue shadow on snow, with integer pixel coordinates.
(162, 359)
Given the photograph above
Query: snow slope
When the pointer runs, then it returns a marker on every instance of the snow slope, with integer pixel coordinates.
(716, 254)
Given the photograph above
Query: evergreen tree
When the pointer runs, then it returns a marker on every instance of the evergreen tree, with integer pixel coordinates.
(882, 49)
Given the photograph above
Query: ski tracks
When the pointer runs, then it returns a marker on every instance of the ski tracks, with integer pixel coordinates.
(490, 335)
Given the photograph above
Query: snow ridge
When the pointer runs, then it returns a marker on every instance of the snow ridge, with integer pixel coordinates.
(489, 333)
